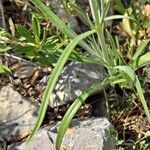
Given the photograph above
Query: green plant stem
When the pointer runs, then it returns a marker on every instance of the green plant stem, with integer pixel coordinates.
(100, 32)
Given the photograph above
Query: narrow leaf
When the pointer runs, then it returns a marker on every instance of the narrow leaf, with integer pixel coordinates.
(126, 25)
(128, 71)
(53, 79)
(95, 9)
(25, 33)
(4, 48)
(73, 109)
(4, 69)
(140, 49)
(36, 28)
(143, 60)
(118, 17)
(118, 6)
(142, 99)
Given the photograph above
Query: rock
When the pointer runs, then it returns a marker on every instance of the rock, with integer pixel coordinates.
(17, 114)
(75, 78)
(23, 70)
(92, 133)
(73, 22)
(40, 142)
(89, 134)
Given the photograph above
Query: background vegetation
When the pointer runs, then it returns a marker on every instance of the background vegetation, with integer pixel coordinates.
(122, 49)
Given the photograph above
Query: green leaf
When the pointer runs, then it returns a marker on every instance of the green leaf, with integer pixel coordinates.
(107, 5)
(47, 59)
(114, 55)
(4, 69)
(51, 44)
(140, 49)
(118, 6)
(36, 28)
(54, 19)
(118, 17)
(118, 81)
(59, 23)
(25, 33)
(94, 44)
(130, 75)
(24, 49)
(2, 32)
(4, 48)
(142, 99)
(30, 51)
(95, 10)
(120, 142)
(80, 58)
(146, 22)
(127, 25)
(73, 109)
(143, 60)
(84, 59)
(54, 77)
(135, 82)
(137, 61)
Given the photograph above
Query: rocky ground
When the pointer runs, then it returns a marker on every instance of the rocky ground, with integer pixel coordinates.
(21, 92)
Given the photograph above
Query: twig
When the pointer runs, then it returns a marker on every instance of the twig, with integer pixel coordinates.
(18, 58)
(106, 103)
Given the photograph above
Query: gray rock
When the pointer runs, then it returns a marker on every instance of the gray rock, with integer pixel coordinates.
(40, 142)
(89, 134)
(17, 114)
(75, 78)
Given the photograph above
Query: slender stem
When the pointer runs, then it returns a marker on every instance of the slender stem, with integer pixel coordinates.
(100, 32)
(102, 8)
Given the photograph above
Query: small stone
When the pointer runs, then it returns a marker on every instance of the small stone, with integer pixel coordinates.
(17, 114)
(23, 70)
